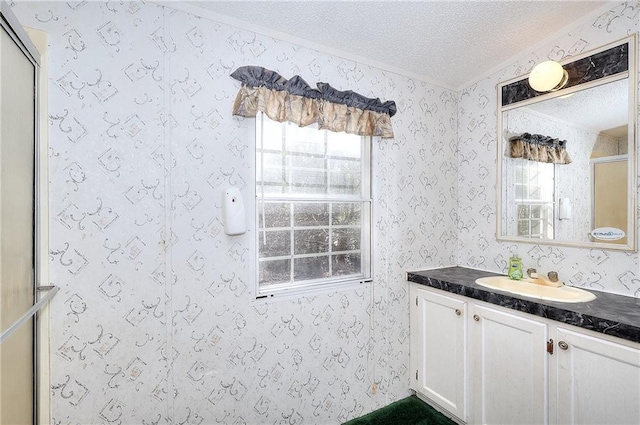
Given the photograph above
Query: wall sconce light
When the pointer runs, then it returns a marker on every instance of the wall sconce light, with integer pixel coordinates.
(565, 209)
(548, 76)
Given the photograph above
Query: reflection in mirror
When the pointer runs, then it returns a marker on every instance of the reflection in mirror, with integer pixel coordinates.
(594, 124)
(565, 167)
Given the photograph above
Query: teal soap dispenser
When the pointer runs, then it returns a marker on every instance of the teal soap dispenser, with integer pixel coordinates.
(515, 267)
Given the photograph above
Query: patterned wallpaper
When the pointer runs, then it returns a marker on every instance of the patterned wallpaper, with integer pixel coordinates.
(606, 270)
(156, 322)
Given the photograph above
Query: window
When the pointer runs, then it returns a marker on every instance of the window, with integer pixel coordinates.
(314, 207)
(534, 199)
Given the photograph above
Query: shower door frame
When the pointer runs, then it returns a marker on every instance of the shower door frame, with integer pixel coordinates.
(14, 29)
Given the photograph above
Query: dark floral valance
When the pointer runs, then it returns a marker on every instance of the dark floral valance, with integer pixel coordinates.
(295, 101)
(539, 148)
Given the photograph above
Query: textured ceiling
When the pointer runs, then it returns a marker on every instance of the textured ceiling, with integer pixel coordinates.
(447, 42)
(600, 109)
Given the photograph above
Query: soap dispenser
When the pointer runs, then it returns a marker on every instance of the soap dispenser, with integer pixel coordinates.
(515, 267)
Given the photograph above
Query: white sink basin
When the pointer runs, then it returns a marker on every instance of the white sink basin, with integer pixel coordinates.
(563, 294)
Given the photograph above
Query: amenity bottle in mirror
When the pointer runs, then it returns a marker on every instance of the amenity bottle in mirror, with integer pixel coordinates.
(567, 158)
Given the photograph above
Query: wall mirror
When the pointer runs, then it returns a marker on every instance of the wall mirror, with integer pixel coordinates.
(566, 163)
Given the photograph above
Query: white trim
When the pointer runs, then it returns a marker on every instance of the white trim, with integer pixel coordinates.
(238, 23)
(301, 288)
(311, 291)
(167, 233)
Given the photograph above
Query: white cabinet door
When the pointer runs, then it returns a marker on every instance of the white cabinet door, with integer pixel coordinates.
(598, 381)
(509, 368)
(439, 349)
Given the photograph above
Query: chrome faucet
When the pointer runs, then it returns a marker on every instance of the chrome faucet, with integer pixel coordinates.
(550, 280)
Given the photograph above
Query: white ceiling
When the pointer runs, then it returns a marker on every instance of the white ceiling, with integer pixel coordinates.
(450, 43)
(602, 108)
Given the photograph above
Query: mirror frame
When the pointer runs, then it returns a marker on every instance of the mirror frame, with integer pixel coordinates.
(526, 96)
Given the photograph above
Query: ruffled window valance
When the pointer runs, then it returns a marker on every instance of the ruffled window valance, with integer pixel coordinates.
(295, 101)
(539, 148)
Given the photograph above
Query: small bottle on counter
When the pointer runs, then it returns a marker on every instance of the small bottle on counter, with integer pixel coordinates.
(515, 267)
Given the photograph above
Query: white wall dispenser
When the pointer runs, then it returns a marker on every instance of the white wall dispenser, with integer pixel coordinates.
(233, 213)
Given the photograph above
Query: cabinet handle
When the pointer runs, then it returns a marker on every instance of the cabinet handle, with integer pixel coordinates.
(458, 312)
(563, 345)
(550, 346)
(476, 317)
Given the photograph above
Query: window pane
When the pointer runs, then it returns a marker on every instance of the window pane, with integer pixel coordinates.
(345, 214)
(302, 161)
(313, 214)
(272, 134)
(275, 215)
(344, 181)
(273, 172)
(275, 271)
(346, 264)
(301, 179)
(519, 192)
(345, 239)
(523, 211)
(311, 268)
(272, 160)
(523, 228)
(344, 165)
(345, 145)
(534, 193)
(518, 176)
(275, 243)
(311, 241)
(535, 228)
(308, 140)
(308, 190)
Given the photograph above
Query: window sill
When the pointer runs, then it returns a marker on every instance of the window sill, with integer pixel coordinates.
(297, 293)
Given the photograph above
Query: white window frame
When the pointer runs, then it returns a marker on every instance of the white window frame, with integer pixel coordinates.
(309, 287)
(548, 213)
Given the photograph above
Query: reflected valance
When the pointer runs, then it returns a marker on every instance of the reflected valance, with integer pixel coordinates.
(295, 101)
(539, 148)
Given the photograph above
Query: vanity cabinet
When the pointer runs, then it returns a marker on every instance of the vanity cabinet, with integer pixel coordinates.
(439, 349)
(597, 380)
(486, 364)
(509, 363)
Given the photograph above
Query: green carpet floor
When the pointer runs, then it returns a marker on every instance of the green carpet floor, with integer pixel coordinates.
(408, 411)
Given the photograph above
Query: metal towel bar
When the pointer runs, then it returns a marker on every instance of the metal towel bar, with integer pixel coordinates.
(33, 310)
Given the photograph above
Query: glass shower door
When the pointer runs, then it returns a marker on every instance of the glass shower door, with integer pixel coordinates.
(17, 292)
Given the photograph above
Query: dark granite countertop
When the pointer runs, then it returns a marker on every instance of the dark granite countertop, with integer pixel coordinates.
(610, 314)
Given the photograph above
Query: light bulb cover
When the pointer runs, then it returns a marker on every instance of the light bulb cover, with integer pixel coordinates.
(548, 76)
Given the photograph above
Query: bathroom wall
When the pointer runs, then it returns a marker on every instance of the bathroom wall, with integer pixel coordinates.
(155, 321)
(606, 270)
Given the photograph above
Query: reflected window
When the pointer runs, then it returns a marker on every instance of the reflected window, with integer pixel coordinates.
(534, 199)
